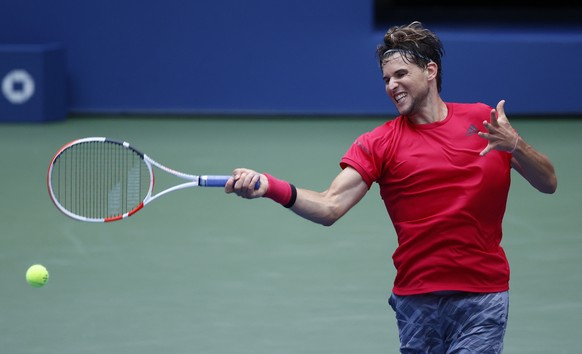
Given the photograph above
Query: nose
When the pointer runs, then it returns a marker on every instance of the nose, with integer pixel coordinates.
(392, 84)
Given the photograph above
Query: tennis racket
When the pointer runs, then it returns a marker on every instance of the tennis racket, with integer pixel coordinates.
(101, 180)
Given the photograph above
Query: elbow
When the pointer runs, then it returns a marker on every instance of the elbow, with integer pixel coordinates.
(328, 222)
(325, 217)
(333, 215)
(552, 183)
(551, 187)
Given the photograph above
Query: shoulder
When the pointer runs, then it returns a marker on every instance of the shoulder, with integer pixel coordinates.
(383, 132)
(370, 151)
(373, 144)
(471, 108)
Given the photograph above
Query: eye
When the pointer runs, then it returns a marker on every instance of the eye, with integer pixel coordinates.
(400, 74)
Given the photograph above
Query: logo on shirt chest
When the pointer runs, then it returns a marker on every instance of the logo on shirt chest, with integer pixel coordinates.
(472, 130)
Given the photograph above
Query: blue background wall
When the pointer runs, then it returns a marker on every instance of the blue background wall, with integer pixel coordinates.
(279, 57)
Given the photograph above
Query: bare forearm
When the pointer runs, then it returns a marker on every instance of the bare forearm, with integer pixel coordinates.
(535, 167)
(320, 208)
(325, 208)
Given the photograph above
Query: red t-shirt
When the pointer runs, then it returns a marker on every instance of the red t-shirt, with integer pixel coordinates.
(446, 202)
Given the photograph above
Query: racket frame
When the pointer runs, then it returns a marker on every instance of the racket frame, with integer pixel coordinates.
(193, 180)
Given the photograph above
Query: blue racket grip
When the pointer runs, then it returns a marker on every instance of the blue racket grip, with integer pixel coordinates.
(217, 181)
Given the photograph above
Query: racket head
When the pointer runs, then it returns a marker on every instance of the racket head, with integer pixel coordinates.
(96, 179)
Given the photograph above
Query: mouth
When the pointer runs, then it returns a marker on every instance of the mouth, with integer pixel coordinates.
(399, 97)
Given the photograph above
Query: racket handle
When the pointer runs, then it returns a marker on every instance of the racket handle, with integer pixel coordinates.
(217, 181)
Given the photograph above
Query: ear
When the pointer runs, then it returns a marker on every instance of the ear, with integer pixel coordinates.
(431, 70)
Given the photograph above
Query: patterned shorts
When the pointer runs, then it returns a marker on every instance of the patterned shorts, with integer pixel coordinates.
(455, 323)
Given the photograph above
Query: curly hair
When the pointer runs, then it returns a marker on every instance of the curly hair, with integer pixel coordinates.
(416, 44)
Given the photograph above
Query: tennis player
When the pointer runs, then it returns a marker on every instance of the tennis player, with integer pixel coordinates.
(444, 174)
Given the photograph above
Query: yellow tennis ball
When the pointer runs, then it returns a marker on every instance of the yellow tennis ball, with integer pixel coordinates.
(37, 275)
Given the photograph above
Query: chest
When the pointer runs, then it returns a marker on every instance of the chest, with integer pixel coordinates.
(437, 151)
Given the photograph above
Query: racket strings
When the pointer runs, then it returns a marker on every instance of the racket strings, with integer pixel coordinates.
(99, 179)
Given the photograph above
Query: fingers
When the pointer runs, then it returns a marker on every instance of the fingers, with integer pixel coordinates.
(230, 184)
(501, 112)
(499, 135)
(243, 183)
(486, 150)
(498, 114)
(501, 108)
(493, 115)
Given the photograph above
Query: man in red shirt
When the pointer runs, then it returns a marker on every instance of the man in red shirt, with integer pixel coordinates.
(444, 175)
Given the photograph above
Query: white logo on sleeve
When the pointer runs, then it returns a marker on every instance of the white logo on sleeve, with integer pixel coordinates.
(18, 86)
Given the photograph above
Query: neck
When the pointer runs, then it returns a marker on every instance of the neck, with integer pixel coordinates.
(432, 112)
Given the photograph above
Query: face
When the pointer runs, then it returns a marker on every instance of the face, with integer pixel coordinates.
(406, 84)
